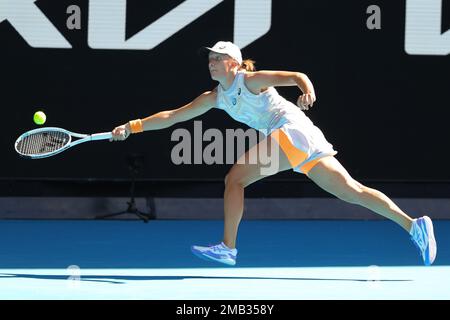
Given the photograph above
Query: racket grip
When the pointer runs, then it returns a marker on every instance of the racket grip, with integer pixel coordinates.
(101, 136)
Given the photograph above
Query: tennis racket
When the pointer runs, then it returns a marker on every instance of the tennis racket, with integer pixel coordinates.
(47, 142)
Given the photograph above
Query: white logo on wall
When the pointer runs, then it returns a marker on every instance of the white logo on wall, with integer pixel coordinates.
(252, 19)
(107, 23)
(423, 28)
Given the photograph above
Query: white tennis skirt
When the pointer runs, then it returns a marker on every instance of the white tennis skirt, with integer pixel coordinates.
(303, 143)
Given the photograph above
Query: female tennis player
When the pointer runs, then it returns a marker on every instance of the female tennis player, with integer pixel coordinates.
(249, 96)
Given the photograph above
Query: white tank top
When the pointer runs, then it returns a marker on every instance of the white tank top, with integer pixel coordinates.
(265, 111)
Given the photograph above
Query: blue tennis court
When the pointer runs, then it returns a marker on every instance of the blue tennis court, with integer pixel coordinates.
(289, 259)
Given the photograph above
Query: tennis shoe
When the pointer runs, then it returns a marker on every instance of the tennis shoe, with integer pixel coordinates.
(422, 235)
(218, 253)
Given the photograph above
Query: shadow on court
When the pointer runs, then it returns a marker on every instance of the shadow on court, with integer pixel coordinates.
(116, 279)
(166, 244)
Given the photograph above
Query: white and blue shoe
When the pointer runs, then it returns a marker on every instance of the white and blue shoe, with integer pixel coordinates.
(422, 235)
(219, 253)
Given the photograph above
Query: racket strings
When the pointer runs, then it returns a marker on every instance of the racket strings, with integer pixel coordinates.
(43, 142)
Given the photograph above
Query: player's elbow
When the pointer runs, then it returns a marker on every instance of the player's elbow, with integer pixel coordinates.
(180, 115)
(166, 119)
(295, 78)
(301, 75)
(170, 117)
(193, 109)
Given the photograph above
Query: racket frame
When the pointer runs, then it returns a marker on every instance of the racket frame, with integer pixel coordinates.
(83, 138)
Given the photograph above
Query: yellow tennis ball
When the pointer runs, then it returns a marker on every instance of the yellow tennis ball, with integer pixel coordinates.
(39, 118)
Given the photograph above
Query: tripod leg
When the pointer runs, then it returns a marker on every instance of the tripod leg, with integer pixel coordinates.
(132, 209)
(151, 208)
(111, 215)
(143, 216)
(134, 166)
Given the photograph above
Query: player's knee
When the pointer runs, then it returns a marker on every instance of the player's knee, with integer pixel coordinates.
(230, 179)
(233, 179)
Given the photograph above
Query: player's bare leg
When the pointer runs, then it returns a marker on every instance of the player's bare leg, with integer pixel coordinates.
(331, 176)
(242, 175)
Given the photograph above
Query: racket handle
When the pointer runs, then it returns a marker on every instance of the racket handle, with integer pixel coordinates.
(101, 136)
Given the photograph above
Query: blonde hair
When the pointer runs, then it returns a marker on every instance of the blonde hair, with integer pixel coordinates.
(247, 65)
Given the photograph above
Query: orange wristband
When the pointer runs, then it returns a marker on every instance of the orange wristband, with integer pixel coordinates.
(136, 126)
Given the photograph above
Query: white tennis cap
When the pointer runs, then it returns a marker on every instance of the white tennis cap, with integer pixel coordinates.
(228, 48)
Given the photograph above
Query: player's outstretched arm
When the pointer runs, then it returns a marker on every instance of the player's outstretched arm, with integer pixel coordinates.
(165, 119)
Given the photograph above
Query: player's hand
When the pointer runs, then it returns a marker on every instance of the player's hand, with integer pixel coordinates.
(120, 133)
(305, 101)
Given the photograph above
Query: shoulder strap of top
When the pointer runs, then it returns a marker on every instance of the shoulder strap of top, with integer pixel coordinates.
(240, 77)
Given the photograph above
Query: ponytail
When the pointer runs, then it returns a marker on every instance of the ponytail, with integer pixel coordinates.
(248, 65)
